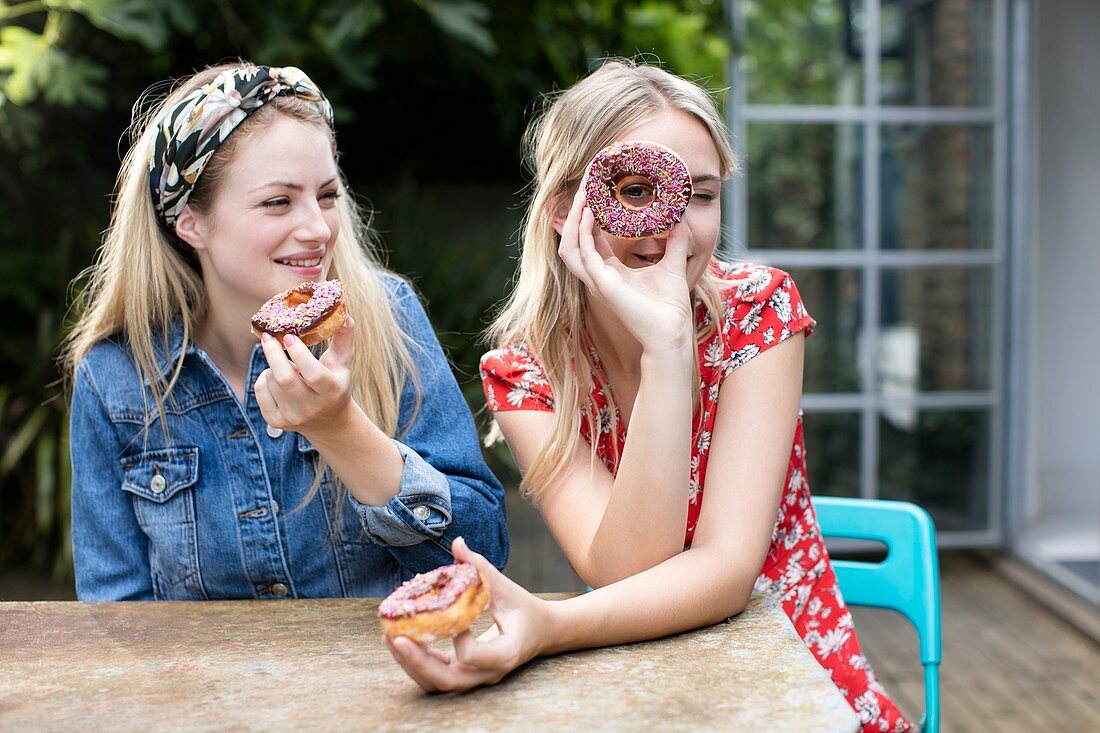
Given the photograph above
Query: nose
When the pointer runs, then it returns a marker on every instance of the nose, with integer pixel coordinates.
(313, 224)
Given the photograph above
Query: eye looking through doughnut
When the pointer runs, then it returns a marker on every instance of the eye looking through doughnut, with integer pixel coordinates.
(637, 189)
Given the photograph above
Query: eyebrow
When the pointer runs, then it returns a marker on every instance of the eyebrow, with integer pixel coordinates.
(706, 179)
(287, 184)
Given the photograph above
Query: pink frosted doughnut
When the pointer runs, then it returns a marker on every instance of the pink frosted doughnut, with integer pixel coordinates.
(312, 311)
(637, 189)
(435, 605)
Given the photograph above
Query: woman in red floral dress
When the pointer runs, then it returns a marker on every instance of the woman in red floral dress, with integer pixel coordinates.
(602, 334)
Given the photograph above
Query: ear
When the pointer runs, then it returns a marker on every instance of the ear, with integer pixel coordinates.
(557, 209)
(189, 228)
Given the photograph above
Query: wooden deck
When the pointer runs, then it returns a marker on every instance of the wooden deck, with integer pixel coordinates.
(1008, 663)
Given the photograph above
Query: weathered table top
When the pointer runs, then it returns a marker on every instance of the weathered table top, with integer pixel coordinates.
(306, 665)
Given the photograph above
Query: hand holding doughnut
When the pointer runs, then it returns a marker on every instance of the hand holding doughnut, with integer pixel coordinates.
(521, 621)
(300, 392)
(653, 302)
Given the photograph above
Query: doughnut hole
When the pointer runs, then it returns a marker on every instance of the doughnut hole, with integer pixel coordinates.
(634, 192)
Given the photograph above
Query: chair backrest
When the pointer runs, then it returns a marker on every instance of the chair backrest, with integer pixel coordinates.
(907, 581)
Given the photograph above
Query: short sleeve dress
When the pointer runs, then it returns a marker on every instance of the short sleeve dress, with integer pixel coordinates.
(761, 308)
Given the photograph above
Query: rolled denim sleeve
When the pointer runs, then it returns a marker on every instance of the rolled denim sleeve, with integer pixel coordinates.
(110, 552)
(446, 489)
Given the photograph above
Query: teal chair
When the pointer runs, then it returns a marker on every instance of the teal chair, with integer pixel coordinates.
(907, 581)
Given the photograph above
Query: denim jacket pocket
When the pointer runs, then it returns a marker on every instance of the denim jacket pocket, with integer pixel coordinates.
(162, 484)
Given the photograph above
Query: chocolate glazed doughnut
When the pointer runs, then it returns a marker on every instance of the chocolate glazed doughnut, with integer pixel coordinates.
(312, 311)
(637, 189)
(435, 605)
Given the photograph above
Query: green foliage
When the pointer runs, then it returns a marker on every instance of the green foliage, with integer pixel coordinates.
(430, 96)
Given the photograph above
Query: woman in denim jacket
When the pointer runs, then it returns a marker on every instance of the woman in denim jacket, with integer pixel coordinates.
(207, 465)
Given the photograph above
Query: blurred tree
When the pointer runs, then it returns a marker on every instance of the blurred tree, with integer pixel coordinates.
(430, 96)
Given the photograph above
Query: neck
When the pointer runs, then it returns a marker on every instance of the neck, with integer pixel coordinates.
(226, 339)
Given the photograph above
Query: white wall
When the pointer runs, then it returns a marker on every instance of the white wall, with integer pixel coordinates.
(1064, 330)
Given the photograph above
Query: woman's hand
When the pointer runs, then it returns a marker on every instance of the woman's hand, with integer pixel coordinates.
(654, 303)
(302, 393)
(521, 620)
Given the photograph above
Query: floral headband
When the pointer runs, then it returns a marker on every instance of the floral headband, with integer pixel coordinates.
(190, 132)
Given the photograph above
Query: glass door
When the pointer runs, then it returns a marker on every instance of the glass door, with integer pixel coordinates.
(874, 143)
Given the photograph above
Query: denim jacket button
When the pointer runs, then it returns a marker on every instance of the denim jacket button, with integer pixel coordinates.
(280, 589)
(274, 507)
(158, 484)
(273, 432)
(422, 512)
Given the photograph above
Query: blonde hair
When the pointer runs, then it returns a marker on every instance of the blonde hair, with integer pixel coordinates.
(547, 308)
(145, 278)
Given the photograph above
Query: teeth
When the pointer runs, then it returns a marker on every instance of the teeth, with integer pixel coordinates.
(300, 263)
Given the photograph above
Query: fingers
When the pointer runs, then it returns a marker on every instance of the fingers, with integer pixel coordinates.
(569, 248)
(306, 369)
(342, 347)
(436, 672)
(463, 553)
(269, 406)
(677, 246)
(423, 667)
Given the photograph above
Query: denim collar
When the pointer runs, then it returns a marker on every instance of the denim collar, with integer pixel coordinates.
(168, 346)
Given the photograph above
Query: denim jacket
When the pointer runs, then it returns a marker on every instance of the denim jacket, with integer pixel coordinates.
(215, 511)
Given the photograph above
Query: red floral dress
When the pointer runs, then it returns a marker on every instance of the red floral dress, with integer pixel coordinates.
(762, 307)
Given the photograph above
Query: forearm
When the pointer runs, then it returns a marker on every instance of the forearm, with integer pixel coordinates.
(643, 523)
(365, 459)
(641, 607)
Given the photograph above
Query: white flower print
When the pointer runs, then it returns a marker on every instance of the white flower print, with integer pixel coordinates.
(758, 280)
(518, 394)
(712, 357)
(769, 336)
(751, 321)
(740, 358)
(867, 707)
(703, 444)
(832, 642)
(781, 302)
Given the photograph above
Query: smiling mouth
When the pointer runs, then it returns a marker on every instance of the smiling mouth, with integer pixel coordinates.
(300, 263)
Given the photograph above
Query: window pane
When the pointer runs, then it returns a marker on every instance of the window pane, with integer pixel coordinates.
(832, 453)
(803, 51)
(804, 186)
(940, 460)
(937, 52)
(936, 330)
(832, 297)
(937, 187)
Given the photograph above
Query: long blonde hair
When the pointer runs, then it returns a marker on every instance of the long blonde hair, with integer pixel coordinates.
(547, 308)
(144, 278)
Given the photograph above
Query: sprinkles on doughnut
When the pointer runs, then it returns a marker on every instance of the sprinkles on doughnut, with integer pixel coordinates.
(435, 605)
(637, 189)
(312, 311)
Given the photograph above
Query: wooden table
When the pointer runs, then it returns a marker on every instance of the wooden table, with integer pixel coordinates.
(302, 665)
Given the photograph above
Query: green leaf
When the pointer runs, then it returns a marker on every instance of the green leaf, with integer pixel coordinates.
(75, 81)
(132, 20)
(462, 20)
(37, 68)
(22, 440)
(25, 55)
